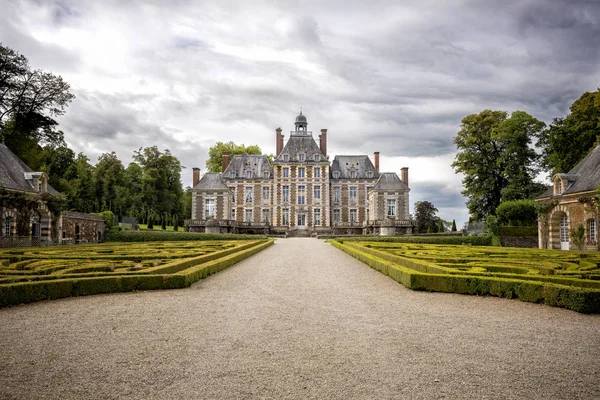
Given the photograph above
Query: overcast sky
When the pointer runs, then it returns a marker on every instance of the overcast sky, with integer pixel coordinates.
(389, 76)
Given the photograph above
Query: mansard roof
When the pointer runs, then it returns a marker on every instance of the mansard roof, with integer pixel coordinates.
(361, 164)
(15, 174)
(211, 181)
(390, 181)
(240, 164)
(301, 144)
(584, 177)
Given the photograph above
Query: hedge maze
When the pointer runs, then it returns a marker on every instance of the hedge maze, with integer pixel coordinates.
(568, 279)
(44, 273)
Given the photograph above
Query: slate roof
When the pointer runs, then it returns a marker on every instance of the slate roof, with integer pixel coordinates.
(301, 144)
(344, 164)
(14, 173)
(240, 164)
(211, 181)
(390, 181)
(584, 177)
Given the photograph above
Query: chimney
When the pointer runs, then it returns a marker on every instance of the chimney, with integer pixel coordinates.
(196, 176)
(225, 160)
(405, 175)
(278, 142)
(323, 141)
(376, 157)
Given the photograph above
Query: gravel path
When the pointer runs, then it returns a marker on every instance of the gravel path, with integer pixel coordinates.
(298, 320)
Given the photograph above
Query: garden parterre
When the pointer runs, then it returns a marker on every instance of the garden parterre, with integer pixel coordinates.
(568, 279)
(41, 273)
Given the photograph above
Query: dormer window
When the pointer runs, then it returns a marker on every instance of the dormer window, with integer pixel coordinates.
(301, 157)
(316, 157)
(336, 174)
(232, 174)
(369, 174)
(352, 174)
(266, 174)
(249, 174)
(558, 186)
(286, 158)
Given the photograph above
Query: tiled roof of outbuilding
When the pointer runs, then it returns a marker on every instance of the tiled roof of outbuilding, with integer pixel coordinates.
(240, 164)
(344, 164)
(14, 172)
(211, 181)
(390, 181)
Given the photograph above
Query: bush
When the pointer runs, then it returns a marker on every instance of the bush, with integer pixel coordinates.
(492, 226)
(456, 240)
(166, 236)
(109, 219)
(517, 213)
(578, 236)
(518, 231)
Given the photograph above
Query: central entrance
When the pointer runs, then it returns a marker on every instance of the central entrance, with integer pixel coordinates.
(301, 221)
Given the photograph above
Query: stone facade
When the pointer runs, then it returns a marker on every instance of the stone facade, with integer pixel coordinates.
(76, 227)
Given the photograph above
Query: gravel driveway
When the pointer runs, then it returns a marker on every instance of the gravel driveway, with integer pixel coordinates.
(299, 320)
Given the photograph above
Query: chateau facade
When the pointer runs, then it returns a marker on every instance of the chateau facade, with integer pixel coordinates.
(301, 192)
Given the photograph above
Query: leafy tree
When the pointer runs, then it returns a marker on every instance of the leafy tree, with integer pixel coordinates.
(81, 194)
(425, 217)
(109, 182)
(517, 213)
(496, 158)
(453, 225)
(215, 154)
(578, 236)
(441, 226)
(567, 140)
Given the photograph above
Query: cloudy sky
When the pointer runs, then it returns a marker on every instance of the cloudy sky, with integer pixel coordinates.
(389, 76)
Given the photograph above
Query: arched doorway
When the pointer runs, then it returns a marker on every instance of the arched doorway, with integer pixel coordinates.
(564, 232)
(36, 230)
(559, 231)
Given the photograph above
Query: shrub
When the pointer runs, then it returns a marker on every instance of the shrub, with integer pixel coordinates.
(492, 226)
(518, 231)
(456, 240)
(517, 213)
(166, 236)
(578, 236)
(109, 219)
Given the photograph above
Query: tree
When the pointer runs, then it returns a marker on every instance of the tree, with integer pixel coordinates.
(567, 140)
(517, 213)
(453, 225)
(496, 158)
(109, 181)
(29, 102)
(441, 226)
(215, 154)
(80, 176)
(425, 217)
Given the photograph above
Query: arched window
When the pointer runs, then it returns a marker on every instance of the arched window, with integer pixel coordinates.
(7, 226)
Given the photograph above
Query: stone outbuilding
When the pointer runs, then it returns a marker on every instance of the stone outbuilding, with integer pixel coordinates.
(570, 202)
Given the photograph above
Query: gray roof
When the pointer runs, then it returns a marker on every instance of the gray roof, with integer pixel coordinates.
(15, 174)
(390, 181)
(241, 164)
(345, 164)
(211, 181)
(584, 177)
(301, 144)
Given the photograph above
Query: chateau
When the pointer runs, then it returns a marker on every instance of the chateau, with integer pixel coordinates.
(301, 192)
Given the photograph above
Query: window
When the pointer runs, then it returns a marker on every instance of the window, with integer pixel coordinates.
(317, 193)
(265, 195)
(248, 215)
(352, 174)
(300, 172)
(7, 226)
(301, 194)
(232, 174)
(391, 207)
(353, 215)
(233, 214)
(233, 192)
(336, 194)
(286, 172)
(317, 157)
(209, 208)
(337, 215)
(285, 216)
(336, 174)
(317, 216)
(367, 189)
(248, 196)
(285, 193)
(353, 194)
(265, 216)
(266, 174)
(301, 157)
(317, 172)
(249, 174)
(592, 230)
(369, 174)
(286, 158)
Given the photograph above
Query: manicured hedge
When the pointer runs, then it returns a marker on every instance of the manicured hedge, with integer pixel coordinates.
(469, 240)
(419, 274)
(167, 236)
(518, 231)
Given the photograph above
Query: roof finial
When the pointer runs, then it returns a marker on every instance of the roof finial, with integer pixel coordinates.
(300, 110)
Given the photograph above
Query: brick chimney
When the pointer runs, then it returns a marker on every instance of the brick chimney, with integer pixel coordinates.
(405, 175)
(225, 160)
(376, 157)
(195, 176)
(278, 142)
(323, 141)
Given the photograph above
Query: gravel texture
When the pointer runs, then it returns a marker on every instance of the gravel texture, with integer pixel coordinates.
(299, 320)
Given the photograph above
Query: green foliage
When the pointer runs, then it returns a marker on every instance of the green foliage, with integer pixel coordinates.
(425, 218)
(441, 226)
(492, 225)
(518, 231)
(167, 236)
(578, 236)
(450, 240)
(496, 158)
(453, 225)
(109, 219)
(567, 140)
(214, 163)
(517, 213)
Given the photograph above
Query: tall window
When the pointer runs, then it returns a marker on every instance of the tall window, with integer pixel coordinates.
(352, 174)
(301, 194)
(285, 216)
(317, 172)
(317, 193)
(266, 174)
(233, 190)
(265, 216)
(209, 208)
(301, 172)
(337, 194)
(285, 193)
(593, 230)
(249, 174)
(353, 194)
(7, 226)
(301, 157)
(316, 157)
(248, 215)
(248, 196)
(286, 157)
(369, 174)
(353, 215)
(286, 172)
(391, 207)
(233, 214)
(317, 216)
(337, 215)
(265, 194)
(336, 174)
